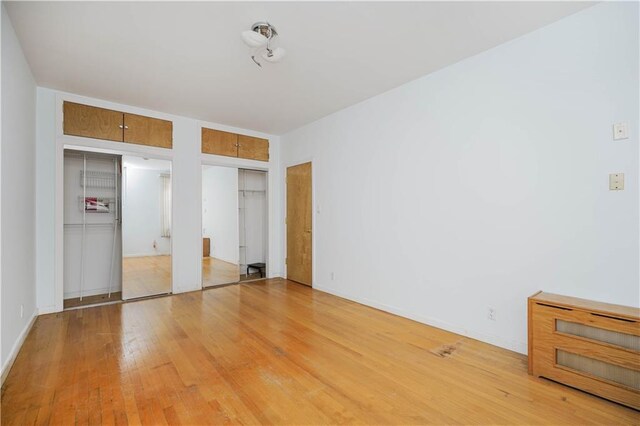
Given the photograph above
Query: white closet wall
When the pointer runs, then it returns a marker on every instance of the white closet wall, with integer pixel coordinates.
(99, 232)
(252, 198)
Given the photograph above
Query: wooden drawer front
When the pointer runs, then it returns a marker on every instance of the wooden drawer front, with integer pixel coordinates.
(253, 148)
(148, 131)
(92, 122)
(219, 143)
(579, 349)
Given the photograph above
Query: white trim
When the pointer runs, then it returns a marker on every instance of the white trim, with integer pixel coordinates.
(516, 346)
(47, 310)
(16, 347)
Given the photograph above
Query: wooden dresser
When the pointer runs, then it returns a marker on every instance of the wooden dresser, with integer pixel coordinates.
(588, 345)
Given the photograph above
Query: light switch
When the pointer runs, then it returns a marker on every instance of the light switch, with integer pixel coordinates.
(620, 131)
(616, 181)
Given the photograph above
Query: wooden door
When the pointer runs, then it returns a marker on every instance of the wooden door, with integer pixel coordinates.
(92, 122)
(149, 131)
(299, 222)
(219, 143)
(253, 148)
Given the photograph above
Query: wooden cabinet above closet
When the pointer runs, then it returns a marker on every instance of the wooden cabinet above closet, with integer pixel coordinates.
(218, 142)
(100, 123)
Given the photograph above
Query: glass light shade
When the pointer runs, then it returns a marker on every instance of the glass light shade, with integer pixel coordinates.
(277, 55)
(253, 39)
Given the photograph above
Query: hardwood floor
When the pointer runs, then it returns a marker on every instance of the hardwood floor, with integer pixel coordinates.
(274, 352)
(217, 272)
(146, 276)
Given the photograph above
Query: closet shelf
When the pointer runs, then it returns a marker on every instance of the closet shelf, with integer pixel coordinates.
(102, 180)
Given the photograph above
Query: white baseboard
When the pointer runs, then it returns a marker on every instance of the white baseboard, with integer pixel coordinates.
(47, 310)
(520, 347)
(6, 367)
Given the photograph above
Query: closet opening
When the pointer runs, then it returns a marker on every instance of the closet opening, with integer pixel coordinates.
(234, 225)
(252, 202)
(92, 232)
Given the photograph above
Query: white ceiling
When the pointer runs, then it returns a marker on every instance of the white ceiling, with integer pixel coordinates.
(188, 58)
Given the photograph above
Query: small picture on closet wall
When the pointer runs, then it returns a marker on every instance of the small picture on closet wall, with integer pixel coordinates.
(96, 205)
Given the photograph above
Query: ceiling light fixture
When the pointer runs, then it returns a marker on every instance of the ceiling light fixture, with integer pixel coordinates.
(259, 37)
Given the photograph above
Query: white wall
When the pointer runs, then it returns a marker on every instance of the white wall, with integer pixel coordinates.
(479, 184)
(18, 194)
(186, 188)
(220, 211)
(142, 213)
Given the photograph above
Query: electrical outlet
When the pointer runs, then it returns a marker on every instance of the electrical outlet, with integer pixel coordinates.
(21, 311)
(491, 313)
(333, 276)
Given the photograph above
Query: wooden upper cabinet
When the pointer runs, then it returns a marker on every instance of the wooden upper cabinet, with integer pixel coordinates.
(219, 143)
(100, 123)
(149, 131)
(253, 148)
(92, 122)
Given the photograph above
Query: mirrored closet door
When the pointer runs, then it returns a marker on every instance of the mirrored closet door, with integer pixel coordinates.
(146, 227)
(220, 239)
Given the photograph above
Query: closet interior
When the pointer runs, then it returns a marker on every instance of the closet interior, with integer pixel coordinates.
(252, 208)
(234, 225)
(92, 231)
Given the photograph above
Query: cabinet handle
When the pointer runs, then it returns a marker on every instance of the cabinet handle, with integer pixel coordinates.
(126, 127)
(121, 126)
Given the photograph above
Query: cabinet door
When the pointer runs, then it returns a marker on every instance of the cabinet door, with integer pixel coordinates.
(219, 143)
(92, 122)
(253, 148)
(149, 131)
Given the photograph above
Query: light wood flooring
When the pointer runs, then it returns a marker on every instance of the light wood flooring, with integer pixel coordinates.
(217, 272)
(145, 276)
(274, 352)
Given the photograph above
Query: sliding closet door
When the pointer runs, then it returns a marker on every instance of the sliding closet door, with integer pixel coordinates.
(220, 240)
(146, 227)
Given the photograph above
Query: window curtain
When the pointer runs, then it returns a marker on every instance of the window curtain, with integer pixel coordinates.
(166, 205)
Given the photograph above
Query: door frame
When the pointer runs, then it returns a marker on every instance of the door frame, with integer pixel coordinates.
(207, 160)
(313, 216)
